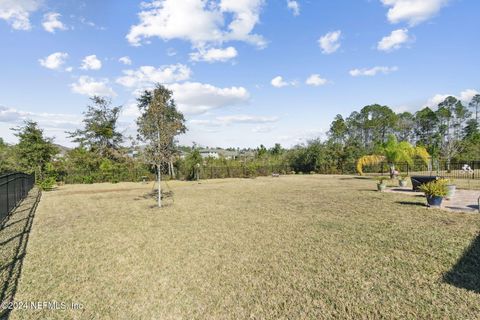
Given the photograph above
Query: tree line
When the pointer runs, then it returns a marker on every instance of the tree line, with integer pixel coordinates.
(451, 131)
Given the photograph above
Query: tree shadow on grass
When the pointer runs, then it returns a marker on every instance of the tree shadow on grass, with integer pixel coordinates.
(465, 273)
(167, 198)
(14, 234)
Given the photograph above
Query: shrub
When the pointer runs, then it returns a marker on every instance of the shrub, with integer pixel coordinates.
(47, 184)
(381, 179)
(88, 179)
(251, 170)
(435, 188)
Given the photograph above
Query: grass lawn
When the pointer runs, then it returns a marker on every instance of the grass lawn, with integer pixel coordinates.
(294, 247)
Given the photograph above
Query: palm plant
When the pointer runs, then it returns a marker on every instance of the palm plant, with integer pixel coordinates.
(393, 152)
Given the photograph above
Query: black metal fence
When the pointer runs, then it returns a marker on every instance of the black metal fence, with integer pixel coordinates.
(14, 187)
(441, 168)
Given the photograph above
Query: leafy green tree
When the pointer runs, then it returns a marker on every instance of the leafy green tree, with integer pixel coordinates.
(276, 151)
(100, 133)
(7, 157)
(426, 130)
(453, 116)
(158, 125)
(338, 130)
(475, 106)
(34, 151)
(393, 152)
(405, 126)
(378, 122)
(306, 158)
(193, 162)
(261, 151)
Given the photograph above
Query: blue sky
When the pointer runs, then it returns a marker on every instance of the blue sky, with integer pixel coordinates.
(244, 72)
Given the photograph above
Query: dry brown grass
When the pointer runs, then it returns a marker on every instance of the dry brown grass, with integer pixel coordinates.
(294, 247)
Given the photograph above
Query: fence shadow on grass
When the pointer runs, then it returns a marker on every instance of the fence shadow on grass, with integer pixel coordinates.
(14, 234)
(466, 272)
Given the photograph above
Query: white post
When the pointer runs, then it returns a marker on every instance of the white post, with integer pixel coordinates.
(159, 187)
(159, 168)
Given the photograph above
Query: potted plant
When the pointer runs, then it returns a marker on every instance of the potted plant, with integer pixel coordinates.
(434, 191)
(381, 185)
(402, 181)
(451, 188)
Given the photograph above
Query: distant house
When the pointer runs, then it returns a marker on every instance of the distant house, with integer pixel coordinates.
(62, 152)
(209, 153)
(219, 153)
(133, 153)
(229, 155)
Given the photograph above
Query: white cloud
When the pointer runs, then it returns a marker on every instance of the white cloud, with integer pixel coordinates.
(372, 71)
(316, 80)
(465, 96)
(330, 42)
(243, 118)
(278, 82)
(196, 98)
(394, 41)
(301, 136)
(17, 12)
(263, 129)
(235, 119)
(125, 60)
(468, 94)
(437, 99)
(91, 63)
(294, 6)
(130, 109)
(50, 120)
(9, 114)
(53, 124)
(89, 86)
(146, 76)
(171, 52)
(198, 21)
(51, 22)
(54, 61)
(212, 55)
(413, 11)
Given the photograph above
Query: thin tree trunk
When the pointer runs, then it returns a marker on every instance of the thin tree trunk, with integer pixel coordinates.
(159, 186)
